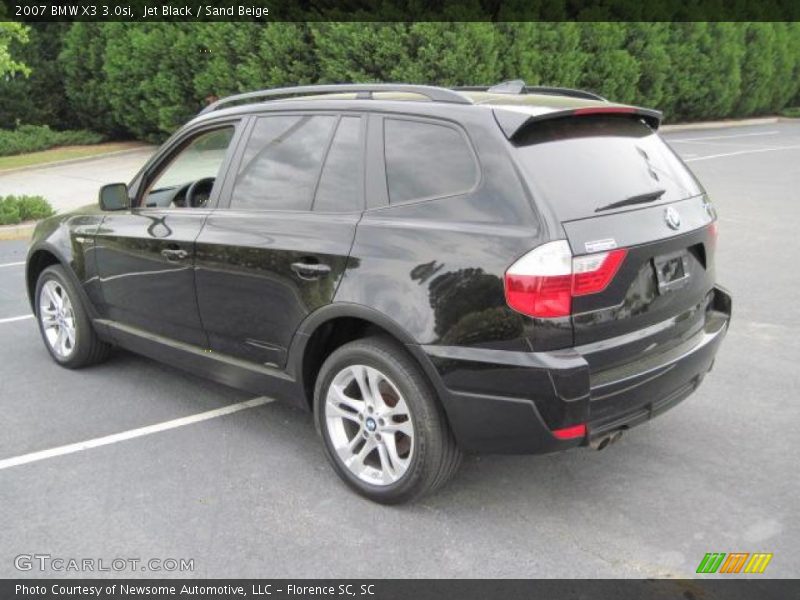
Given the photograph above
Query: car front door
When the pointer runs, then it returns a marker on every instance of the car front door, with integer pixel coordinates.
(145, 255)
(278, 245)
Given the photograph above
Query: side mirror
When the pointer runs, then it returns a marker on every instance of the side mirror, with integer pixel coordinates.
(114, 196)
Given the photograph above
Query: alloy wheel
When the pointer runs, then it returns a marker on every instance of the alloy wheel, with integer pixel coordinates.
(57, 318)
(369, 425)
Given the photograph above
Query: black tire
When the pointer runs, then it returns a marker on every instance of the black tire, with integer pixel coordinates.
(88, 349)
(435, 456)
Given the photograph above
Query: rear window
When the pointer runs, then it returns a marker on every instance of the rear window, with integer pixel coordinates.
(595, 165)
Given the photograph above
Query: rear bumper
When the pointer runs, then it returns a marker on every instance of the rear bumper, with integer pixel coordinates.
(510, 402)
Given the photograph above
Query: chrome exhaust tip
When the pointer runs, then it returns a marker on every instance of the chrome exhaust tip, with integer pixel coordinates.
(603, 442)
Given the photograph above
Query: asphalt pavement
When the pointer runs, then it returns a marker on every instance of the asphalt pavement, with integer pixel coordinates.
(249, 494)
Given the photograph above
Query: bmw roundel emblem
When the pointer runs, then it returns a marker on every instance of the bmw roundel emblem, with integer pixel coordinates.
(672, 217)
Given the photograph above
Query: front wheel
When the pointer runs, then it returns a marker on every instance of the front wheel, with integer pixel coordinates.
(63, 322)
(383, 429)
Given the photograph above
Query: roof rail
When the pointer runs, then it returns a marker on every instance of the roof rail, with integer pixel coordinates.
(517, 86)
(363, 90)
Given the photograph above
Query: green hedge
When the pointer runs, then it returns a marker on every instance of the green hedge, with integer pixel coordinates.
(38, 97)
(15, 209)
(32, 138)
(145, 79)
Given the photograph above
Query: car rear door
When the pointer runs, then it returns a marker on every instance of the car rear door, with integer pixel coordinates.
(145, 255)
(277, 247)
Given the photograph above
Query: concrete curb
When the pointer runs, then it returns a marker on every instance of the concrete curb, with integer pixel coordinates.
(70, 161)
(721, 124)
(23, 231)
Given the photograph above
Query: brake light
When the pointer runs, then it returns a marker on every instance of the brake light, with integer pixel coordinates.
(570, 433)
(605, 110)
(543, 282)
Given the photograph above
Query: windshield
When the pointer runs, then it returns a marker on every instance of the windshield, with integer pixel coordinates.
(600, 164)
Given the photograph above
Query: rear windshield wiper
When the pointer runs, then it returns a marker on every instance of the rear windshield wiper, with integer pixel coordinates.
(637, 199)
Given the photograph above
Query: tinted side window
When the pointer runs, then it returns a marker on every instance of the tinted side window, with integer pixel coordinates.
(425, 160)
(281, 162)
(340, 186)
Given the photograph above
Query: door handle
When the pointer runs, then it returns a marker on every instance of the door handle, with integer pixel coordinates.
(174, 253)
(307, 270)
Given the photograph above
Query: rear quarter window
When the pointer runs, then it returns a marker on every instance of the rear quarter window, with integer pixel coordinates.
(580, 165)
(426, 160)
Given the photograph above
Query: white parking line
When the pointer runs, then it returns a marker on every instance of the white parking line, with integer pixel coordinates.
(12, 319)
(132, 433)
(742, 152)
(14, 264)
(723, 137)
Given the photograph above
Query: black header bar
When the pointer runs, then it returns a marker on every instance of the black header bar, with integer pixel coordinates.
(416, 589)
(266, 11)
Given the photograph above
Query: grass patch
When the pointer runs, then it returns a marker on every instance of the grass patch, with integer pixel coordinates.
(62, 153)
(792, 112)
(32, 138)
(16, 209)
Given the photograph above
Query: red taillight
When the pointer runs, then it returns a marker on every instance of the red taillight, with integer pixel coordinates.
(714, 231)
(592, 273)
(570, 433)
(607, 110)
(539, 296)
(543, 282)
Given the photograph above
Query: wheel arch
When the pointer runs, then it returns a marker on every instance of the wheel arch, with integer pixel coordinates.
(335, 325)
(38, 260)
(45, 255)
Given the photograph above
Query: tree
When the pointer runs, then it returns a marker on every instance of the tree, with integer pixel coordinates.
(359, 52)
(450, 54)
(81, 61)
(648, 43)
(146, 79)
(11, 32)
(37, 96)
(543, 53)
(610, 69)
(705, 77)
(250, 56)
(149, 70)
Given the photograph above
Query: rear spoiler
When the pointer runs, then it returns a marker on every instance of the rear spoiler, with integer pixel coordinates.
(513, 121)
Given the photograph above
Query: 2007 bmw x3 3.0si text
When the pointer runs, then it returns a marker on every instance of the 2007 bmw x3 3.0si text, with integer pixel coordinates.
(428, 271)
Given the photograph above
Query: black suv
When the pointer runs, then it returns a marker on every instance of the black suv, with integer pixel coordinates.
(427, 270)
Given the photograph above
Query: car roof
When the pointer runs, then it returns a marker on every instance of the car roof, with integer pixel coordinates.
(510, 108)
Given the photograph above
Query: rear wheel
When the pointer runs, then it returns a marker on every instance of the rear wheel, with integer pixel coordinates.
(64, 323)
(383, 429)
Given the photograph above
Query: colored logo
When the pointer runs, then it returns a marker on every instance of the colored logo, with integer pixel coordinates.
(735, 562)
